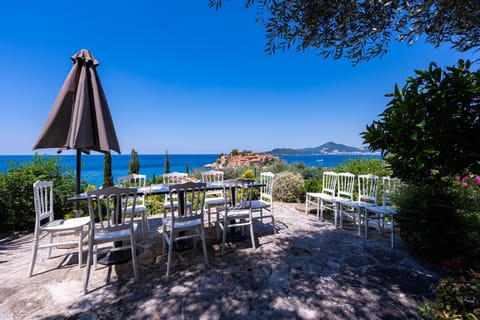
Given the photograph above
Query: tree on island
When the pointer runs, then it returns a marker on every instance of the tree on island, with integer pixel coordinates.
(134, 163)
(107, 170)
(167, 163)
(360, 30)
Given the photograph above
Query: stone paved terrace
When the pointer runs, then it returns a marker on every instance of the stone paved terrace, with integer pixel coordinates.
(309, 270)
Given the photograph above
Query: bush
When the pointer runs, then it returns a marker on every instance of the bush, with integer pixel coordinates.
(288, 187)
(457, 298)
(365, 166)
(17, 211)
(434, 224)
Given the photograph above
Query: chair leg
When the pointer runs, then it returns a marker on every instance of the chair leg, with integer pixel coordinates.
(80, 247)
(134, 256)
(204, 244)
(392, 241)
(88, 266)
(50, 248)
(34, 253)
(320, 208)
(359, 221)
(170, 249)
(224, 235)
(273, 222)
(252, 235)
(366, 224)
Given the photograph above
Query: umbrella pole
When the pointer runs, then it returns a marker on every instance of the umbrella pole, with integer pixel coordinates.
(77, 181)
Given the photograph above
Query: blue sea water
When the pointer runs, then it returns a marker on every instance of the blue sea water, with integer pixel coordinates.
(153, 164)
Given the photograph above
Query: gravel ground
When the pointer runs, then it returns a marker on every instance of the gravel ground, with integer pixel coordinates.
(308, 270)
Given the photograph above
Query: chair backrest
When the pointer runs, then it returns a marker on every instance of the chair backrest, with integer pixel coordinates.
(368, 188)
(266, 191)
(345, 184)
(190, 198)
(43, 199)
(240, 191)
(110, 206)
(133, 180)
(175, 177)
(329, 183)
(389, 190)
(213, 177)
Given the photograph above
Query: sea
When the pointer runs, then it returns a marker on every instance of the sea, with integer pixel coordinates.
(154, 164)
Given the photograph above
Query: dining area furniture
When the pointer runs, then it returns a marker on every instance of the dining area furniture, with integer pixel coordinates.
(109, 205)
(214, 197)
(46, 224)
(264, 204)
(187, 221)
(237, 211)
(134, 180)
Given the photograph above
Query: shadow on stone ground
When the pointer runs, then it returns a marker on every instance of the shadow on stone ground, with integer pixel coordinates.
(309, 270)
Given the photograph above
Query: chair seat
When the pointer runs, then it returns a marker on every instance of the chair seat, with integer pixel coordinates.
(112, 235)
(182, 224)
(236, 214)
(384, 210)
(175, 205)
(260, 204)
(138, 208)
(356, 204)
(67, 224)
(214, 201)
(321, 195)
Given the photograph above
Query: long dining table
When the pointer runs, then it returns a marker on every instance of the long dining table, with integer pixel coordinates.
(159, 189)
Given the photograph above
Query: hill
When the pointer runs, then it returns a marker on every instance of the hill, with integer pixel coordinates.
(326, 148)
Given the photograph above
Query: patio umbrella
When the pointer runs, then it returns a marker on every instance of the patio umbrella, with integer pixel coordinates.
(80, 118)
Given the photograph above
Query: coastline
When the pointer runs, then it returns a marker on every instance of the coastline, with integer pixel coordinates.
(153, 165)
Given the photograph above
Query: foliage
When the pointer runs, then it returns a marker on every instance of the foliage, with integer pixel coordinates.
(167, 163)
(248, 174)
(17, 211)
(187, 169)
(360, 30)
(134, 163)
(431, 126)
(107, 170)
(288, 187)
(457, 298)
(437, 224)
(365, 166)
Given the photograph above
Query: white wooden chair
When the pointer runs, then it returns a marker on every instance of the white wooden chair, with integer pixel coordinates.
(45, 224)
(345, 185)
(216, 197)
(109, 205)
(324, 200)
(136, 181)
(265, 201)
(186, 222)
(367, 196)
(237, 212)
(172, 178)
(378, 213)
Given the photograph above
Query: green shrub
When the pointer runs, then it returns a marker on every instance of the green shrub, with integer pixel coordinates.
(365, 166)
(457, 298)
(288, 187)
(17, 210)
(434, 224)
(248, 174)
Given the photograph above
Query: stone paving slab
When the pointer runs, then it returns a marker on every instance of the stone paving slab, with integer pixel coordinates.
(309, 270)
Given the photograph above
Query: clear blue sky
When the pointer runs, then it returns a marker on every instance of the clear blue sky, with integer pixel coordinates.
(182, 77)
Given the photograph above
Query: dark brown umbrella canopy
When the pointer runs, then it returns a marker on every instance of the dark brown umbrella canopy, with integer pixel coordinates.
(80, 118)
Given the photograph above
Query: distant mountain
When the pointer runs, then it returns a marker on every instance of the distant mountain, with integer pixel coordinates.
(326, 148)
